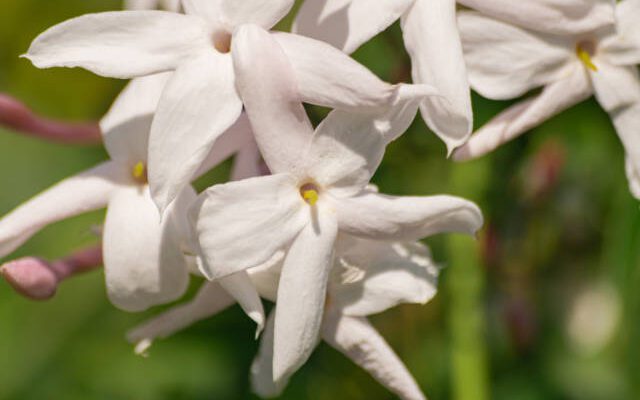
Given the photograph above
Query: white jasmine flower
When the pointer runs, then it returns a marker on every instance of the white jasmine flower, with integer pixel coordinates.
(506, 62)
(143, 256)
(368, 277)
(318, 187)
(431, 38)
(200, 100)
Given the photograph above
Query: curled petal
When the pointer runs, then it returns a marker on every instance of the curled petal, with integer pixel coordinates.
(239, 286)
(210, 300)
(633, 175)
(375, 216)
(562, 17)
(16, 116)
(88, 191)
(243, 224)
(373, 276)
(347, 24)
(358, 340)
(505, 61)
(328, 77)
(627, 124)
(433, 43)
(301, 294)
(143, 260)
(262, 382)
(198, 105)
(526, 115)
(121, 44)
(232, 13)
(623, 48)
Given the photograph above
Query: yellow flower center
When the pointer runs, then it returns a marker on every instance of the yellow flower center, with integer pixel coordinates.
(139, 172)
(222, 41)
(309, 193)
(585, 51)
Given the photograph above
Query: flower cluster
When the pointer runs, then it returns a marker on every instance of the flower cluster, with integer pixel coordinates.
(299, 224)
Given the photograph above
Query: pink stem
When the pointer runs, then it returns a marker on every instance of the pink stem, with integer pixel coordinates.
(17, 116)
(38, 279)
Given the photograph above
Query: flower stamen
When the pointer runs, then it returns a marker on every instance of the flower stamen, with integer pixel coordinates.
(139, 172)
(309, 193)
(585, 51)
(222, 41)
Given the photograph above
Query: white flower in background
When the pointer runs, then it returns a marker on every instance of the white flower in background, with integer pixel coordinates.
(551, 16)
(143, 256)
(506, 61)
(368, 277)
(318, 187)
(431, 38)
(169, 5)
(200, 100)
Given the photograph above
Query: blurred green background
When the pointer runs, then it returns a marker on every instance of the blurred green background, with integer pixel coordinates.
(545, 305)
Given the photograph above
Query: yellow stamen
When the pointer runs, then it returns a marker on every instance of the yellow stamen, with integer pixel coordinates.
(139, 171)
(310, 196)
(585, 57)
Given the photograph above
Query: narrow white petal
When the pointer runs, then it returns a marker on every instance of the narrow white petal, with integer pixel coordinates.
(623, 48)
(232, 13)
(518, 119)
(505, 61)
(433, 43)
(328, 77)
(372, 277)
(267, 85)
(553, 16)
(88, 191)
(198, 104)
(345, 152)
(121, 44)
(302, 293)
(633, 175)
(243, 224)
(616, 88)
(627, 124)
(347, 24)
(125, 127)
(143, 260)
(376, 216)
(358, 340)
(262, 382)
(210, 300)
(239, 286)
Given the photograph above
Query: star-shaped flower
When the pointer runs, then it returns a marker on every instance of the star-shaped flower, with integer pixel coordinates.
(506, 62)
(200, 101)
(368, 277)
(318, 187)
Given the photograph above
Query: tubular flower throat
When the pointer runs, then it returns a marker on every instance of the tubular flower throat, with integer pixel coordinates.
(139, 172)
(585, 51)
(309, 193)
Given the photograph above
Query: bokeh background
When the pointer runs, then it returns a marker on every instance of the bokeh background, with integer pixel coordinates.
(545, 305)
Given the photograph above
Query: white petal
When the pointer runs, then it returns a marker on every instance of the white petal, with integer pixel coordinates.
(198, 104)
(262, 382)
(243, 224)
(553, 16)
(616, 87)
(121, 44)
(210, 300)
(344, 154)
(633, 175)
(376, 216)
(240, 287)
(238, 137)
(433, 43)
(125, 127)
(623, 48)
(516, 120)
(358, 340)
(144, 264)
(375, 276)
(328, 77)
(505, 61)
(302, 293)
(81, 193)
(232, 13)
(267, 85)
(347, 24)
(247, 163)
(627, 124)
